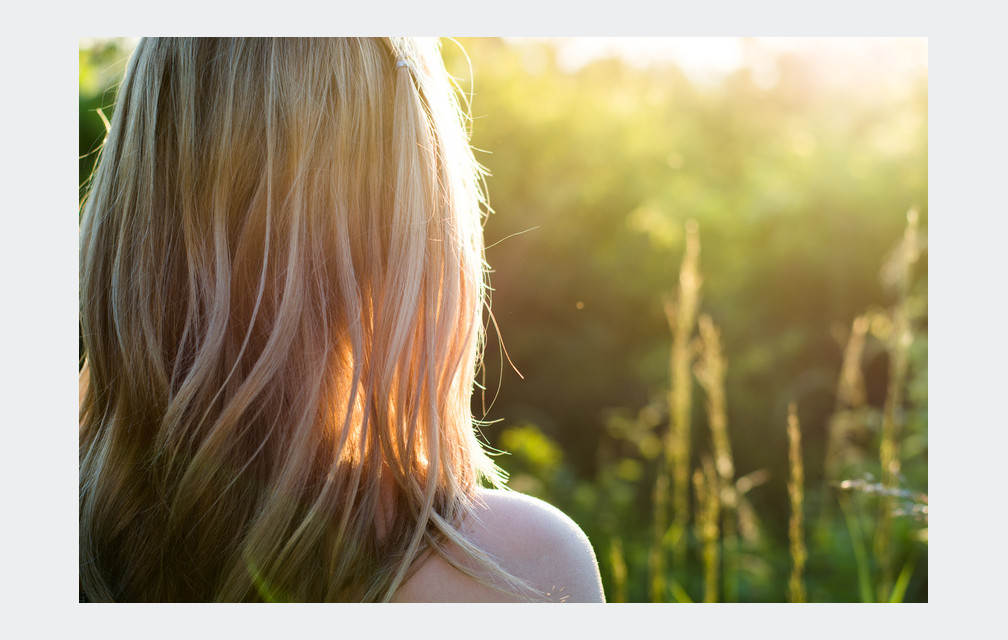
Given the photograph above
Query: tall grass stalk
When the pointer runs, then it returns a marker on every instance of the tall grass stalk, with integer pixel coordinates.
(681, 315)
(796, 491)
(849, 414)
(903, 581)
(619, 571)
(850, 397)
(889, 447)
(659, 523)
(706, 485)
(858, 545)
(851, 386)
(710, 372)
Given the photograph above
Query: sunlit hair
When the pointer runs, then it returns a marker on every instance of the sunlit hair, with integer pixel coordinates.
(281, 295)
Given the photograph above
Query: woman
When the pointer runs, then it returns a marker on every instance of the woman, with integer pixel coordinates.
(282, 285)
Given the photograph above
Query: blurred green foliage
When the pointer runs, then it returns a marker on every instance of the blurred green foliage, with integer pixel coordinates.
(800, 186)
(102, 62)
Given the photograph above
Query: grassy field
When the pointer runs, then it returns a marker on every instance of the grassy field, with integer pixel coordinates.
(859, 534)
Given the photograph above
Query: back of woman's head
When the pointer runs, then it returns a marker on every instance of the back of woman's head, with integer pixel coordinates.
(281, 293)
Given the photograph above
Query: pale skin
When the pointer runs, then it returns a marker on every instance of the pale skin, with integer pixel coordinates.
(529, 538)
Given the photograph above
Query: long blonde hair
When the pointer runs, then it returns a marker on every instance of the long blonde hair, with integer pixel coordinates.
(281, 294)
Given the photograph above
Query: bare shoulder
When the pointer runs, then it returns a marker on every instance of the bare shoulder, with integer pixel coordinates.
(538, 543)
(529, 538)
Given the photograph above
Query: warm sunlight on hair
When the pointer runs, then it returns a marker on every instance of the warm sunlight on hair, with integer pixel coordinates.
(281, 289)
